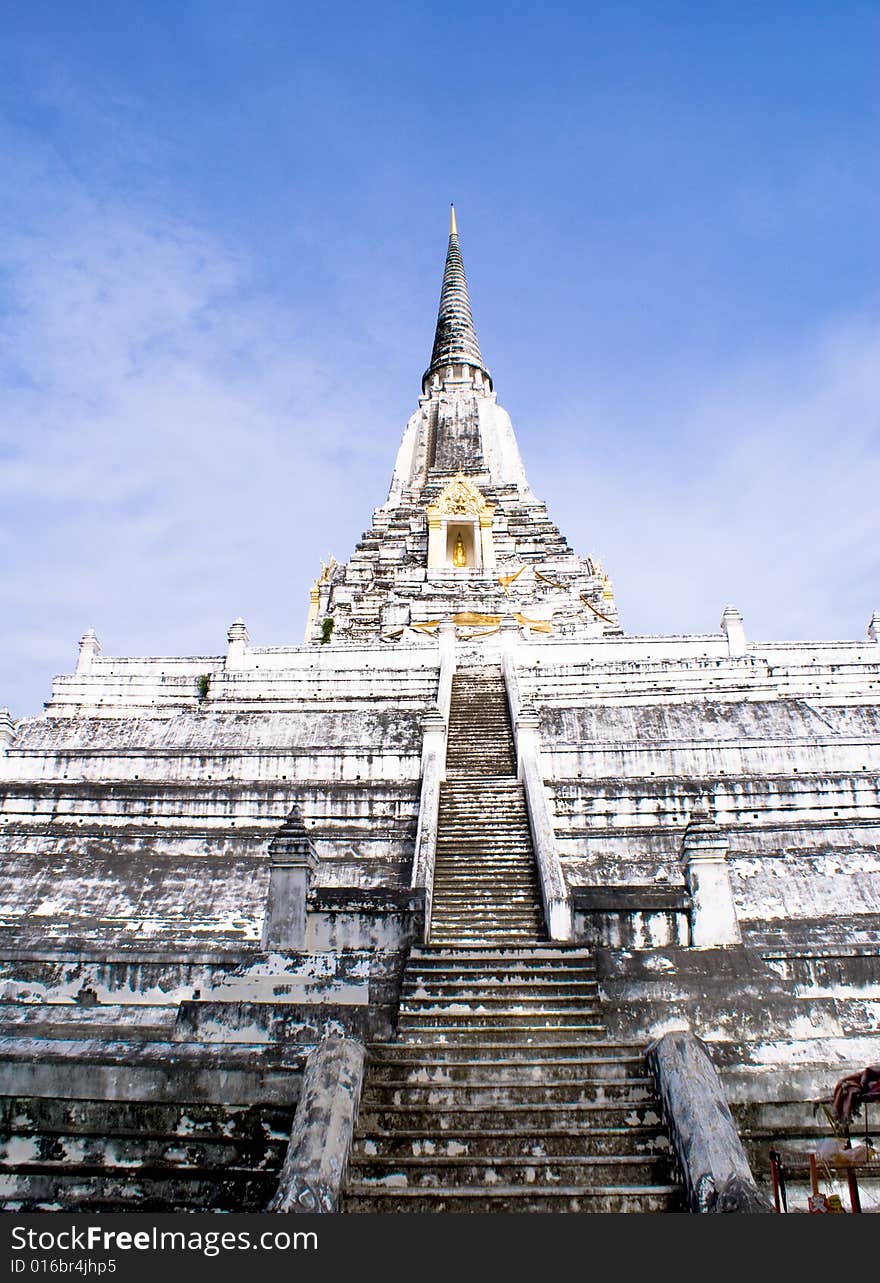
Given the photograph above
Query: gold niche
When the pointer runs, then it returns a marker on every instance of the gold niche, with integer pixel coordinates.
(460, 528)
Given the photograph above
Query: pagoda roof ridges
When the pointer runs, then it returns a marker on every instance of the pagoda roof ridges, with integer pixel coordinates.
(455, 338)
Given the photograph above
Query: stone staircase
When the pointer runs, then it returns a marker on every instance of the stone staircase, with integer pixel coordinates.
(116, 1156)
(103, 1110)
(503, 1091)
(485, 879)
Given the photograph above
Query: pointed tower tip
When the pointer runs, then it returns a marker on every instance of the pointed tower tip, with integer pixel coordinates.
(455, 340)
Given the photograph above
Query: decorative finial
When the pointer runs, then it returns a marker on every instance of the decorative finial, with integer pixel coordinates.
(455, 340)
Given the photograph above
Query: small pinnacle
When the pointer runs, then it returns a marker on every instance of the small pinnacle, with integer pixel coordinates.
(453, 226)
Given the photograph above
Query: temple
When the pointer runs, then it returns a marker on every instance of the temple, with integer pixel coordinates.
(471, 901)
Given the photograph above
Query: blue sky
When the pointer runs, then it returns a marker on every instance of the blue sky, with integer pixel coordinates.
(223, 231)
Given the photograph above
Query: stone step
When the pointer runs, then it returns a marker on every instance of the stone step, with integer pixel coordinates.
(174, 1071)
(188, 1122)
(535, 1171)
(476, 804)
(153, 1021)
(495, 928)
(475, 839)
(489, 1072)
(42, 1153)
(466, 714)
(491, 918)
(479, 731)
(506, 933)
(565, 1050)
(514, 1198)
(460, 789)
(487, 898)
(489, 921)
(525, 1116)
(457, 883)
(489, 893)
(500, 978)
(490, 736)
(470, 1034)
(470, 857)
(489, 740)
(544, 954)
(483, 828)
(474, 987)
(486, 902)
(504, 1020)
(479, 764)
(466, 854)
(466, 857)
(479, 832)
(503, 784)
(505, 1092)
(484, 899)
(485, 913)
(477, 843)
(476, 850)
(471, 796)
(498, 814)
(449, 877)
(484, 908)
(497, 925)
(486, 784)
(509, 865)
(492, 1004)
(142, 1189)
(512, 1142)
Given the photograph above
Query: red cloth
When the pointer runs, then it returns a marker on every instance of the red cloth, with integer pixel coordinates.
(853, 1091)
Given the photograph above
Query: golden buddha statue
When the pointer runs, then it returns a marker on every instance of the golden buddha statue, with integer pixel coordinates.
(459, 556)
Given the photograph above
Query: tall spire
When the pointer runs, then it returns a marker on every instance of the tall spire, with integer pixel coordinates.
(455, 340)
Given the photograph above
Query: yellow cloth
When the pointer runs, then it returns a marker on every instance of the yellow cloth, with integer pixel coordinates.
(551, 582)
(536, 625)
(466, 618)
(595, 611)
(506, 580)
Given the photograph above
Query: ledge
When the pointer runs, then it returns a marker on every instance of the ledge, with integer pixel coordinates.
(630, 899)
(377, 900)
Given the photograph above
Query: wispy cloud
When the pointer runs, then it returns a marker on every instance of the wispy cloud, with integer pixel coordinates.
(758, 487)
(170, 442)
(177, 448)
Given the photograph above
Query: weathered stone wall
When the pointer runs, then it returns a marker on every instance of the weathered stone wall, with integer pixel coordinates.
(782, 744)
(135, 811)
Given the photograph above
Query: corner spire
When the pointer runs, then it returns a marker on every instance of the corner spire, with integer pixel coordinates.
(455, 340)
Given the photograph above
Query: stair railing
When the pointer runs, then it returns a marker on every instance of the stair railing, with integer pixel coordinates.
(435, 724)
(314, 1169)
(554, 888)
(710, 1155)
